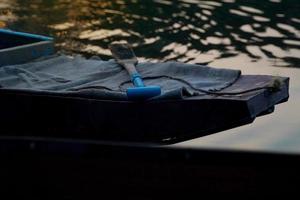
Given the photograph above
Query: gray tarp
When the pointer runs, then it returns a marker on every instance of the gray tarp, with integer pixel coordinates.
(95, 78)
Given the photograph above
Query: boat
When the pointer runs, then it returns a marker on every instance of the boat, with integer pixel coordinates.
(85, 147)
(38, 114)
(19, 47)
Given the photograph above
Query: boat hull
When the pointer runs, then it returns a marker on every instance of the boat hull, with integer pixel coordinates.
(50, 116)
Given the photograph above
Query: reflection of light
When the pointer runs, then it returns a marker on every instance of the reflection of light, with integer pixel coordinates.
(200, 30)
(228, 27)
(184, 28)
(151, 40)
(256, 39)
(275, 1)
(289, 28)
(218, 33)
(101, 34)
(251, 10)
(4, 4)
(279, 53)
(139, 17)
(206, 26)
(2, 24)
(96, 49)
(203, 57)
(213, 22)
(169, 47)
(238, 38)
(176, 25)
(193, 53)
(228, 1)
(295, 20)
(203, 18)
(294, 53)
(6, 14)
(204, 42)
(206, 6)
(276, 51)
(270, 32)
(194, 36)
(206, 12)
(63, 26)
(116, 12)
(256, 25)
(238, 12)
(212, 3)
(175, 47)
(190, 1)
(261, 19)
(280, 15)
(292, 42)
(163, 2)
(255, 51)
(218, 40)
(157, 19)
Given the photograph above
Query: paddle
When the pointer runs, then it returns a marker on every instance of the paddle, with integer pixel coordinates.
(125, 56)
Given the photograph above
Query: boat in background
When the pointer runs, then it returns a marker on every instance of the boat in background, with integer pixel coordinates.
(19, 47)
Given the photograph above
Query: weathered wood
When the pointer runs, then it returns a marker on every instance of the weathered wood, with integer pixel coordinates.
(38, 115)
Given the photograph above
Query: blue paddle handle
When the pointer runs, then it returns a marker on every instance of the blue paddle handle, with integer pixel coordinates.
(137, 80)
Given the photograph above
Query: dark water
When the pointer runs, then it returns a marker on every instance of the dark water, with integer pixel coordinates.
(186, 30)
(257, 36)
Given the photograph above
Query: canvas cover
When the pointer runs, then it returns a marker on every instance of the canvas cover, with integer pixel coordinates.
(99, 79)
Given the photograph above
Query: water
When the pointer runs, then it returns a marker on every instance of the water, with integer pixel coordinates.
(258, 37)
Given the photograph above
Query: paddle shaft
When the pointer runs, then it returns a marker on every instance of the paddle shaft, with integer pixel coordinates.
(134, 75)
(130, 67)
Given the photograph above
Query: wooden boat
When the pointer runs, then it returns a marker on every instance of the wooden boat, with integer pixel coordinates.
(35, 128)
(44, 115)
(19, 47)
(38, 115)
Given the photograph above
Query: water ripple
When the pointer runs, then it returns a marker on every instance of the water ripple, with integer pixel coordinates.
(192, 31)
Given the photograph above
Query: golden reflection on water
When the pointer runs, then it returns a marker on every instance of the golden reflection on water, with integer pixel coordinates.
(2, 24)
(199, 31)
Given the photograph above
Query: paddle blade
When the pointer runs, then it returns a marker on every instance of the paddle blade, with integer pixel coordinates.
(123, 52)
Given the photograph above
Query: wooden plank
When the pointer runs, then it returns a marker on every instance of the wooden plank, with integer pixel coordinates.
(50, 116)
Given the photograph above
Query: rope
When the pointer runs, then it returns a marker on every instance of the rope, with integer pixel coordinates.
(274, 87)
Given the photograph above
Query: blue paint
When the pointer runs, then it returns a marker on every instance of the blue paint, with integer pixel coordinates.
(22, 34)
(137, 80)
(143, 93)
(140, 91)
(17, 47)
